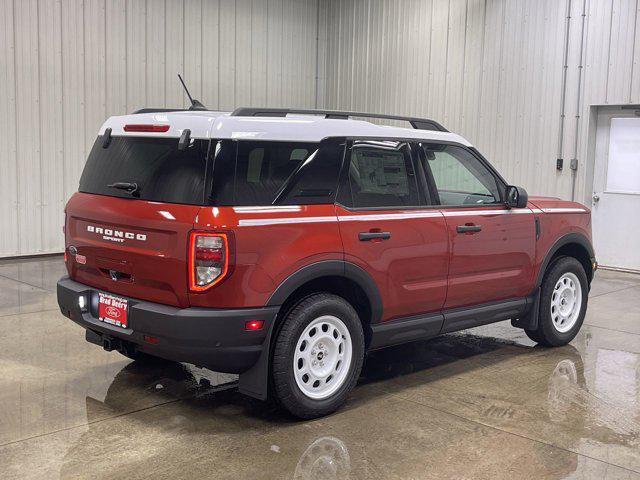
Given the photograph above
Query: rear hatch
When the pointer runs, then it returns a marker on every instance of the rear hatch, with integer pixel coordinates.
(129, 222)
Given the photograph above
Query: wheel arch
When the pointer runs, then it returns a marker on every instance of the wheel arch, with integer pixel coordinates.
(341, 278)
(335, 276)
(574, 245)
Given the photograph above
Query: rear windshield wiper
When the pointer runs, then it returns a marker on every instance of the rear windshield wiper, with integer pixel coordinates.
(129, 187)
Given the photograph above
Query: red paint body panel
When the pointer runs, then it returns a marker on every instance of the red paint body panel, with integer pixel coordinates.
(157, 266)
(410, 268)
(270, 243)
(425, 266)
(558, 218)
(496, 263)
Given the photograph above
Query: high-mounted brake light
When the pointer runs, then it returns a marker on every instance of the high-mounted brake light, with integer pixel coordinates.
(146, 128)
(208, 259)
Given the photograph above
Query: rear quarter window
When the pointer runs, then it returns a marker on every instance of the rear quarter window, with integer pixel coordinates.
(162, 172)
(262, 173)
(263, 168)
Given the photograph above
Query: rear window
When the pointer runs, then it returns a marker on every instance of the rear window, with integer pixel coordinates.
(161, 172)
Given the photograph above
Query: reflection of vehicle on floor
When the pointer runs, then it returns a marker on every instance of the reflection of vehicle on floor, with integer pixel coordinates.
(563, 389)
(223, 429)
(285, 248)
(141, 384)
(327, 458)
(572, 402)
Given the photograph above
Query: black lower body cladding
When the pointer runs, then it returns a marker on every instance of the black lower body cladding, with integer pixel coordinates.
(206, 337)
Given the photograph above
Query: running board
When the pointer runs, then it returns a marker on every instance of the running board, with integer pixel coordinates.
(421, 327)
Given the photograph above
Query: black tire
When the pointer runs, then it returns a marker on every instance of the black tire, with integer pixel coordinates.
(286, 391)
(546, 334)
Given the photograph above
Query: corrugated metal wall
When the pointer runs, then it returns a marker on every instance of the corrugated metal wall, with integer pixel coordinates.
(493, 71)
(66, 65)
(490, 69)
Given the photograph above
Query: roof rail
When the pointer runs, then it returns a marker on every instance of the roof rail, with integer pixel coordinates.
(160, 110)
(418, 123)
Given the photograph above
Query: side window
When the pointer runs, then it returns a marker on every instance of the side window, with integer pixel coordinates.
(263, 168)
(315, 181)
(459, 177)
(381, 175)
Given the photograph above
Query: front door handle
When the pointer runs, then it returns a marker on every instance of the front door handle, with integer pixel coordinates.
(368, 236)
(468, 228)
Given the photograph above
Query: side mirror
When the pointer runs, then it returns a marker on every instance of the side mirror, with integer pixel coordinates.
(517, 197)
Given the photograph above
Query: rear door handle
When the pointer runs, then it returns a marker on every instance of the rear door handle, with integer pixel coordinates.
(468, 228)
(368, 236)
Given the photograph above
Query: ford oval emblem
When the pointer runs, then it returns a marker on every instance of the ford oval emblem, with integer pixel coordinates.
(112, 312)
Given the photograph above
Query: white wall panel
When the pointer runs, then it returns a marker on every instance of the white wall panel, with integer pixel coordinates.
(29, 194)
(472, 75)
(8, 143)
(51, 131)
(156, 71)
(259, 36)
(65, 65)
(491, 70)
(210, 52)
(635, 67)
(74, 135)
(116, 56)
(623, 32)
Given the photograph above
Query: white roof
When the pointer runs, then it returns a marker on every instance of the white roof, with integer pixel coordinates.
(302, 128)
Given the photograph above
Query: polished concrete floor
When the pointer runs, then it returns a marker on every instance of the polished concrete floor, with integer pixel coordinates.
(485, 403)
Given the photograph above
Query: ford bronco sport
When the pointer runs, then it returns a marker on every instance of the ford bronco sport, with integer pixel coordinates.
(285, 244)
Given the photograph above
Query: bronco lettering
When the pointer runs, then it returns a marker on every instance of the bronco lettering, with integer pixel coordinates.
(116, 235)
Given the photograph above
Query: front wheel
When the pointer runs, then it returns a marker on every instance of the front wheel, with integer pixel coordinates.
(563, 303)
(317, 356)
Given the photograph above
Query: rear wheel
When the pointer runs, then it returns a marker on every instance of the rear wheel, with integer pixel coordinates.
(563, 303)
(317, 356)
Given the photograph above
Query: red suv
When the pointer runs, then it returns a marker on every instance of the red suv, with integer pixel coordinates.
(285, 244)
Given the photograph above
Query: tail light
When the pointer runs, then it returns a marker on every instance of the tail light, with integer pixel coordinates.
(252, 325)
(208, 259)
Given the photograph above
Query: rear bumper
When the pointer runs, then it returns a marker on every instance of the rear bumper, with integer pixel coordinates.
(207, 337)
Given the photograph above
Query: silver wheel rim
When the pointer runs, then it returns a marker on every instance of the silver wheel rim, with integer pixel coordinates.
(322, 357)
(566, 301)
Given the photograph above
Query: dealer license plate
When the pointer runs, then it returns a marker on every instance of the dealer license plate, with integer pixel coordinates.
(112, 310)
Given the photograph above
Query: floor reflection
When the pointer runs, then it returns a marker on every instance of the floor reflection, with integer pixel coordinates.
(454, 350)
(484, 403)
(207, 404)
(327, 458)
(139, 385)
(181, 417)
